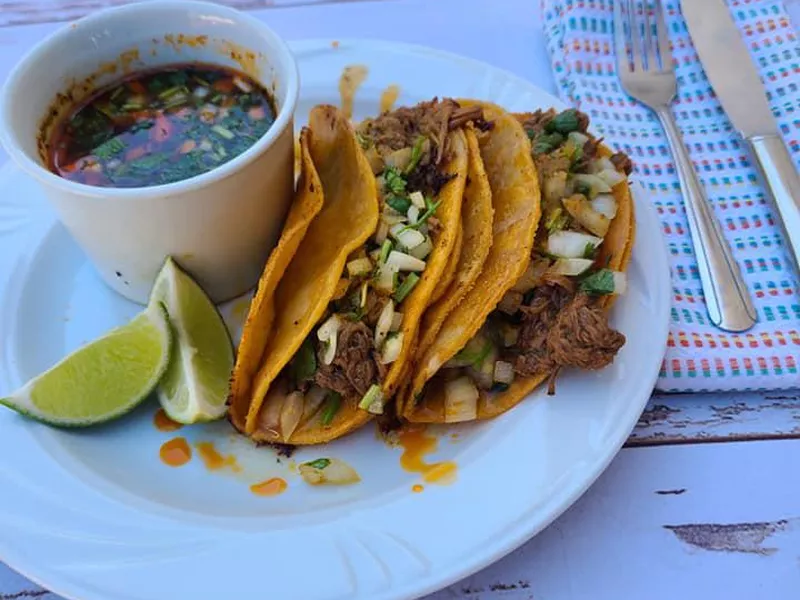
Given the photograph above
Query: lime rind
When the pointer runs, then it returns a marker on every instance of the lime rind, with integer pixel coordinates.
(42, 398)
(194, 388)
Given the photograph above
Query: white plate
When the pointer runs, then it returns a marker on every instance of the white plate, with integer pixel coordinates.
(96, 515)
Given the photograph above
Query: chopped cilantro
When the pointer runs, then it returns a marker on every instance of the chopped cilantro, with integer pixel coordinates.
(320, 463)
(332, 405)
(394, 181)
(416, 155)
(400, 203)
(598, 283)
(304, 363)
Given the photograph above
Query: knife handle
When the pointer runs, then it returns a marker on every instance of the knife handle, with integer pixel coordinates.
(778, 170)
(727, 299)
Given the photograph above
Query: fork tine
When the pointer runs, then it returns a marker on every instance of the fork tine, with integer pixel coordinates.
(649, 42)
(663, 38)
(620, 45)
(636, 44)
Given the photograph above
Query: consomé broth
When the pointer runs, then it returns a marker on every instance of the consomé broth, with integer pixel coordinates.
(161, 126)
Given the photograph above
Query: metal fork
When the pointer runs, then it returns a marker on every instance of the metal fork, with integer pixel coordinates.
(645, 71)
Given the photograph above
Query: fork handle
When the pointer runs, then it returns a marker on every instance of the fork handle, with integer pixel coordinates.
(727, 299)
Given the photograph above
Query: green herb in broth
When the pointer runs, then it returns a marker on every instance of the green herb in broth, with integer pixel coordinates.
(161, 126)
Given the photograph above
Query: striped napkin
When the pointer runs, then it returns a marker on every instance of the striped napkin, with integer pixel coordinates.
(700, 357)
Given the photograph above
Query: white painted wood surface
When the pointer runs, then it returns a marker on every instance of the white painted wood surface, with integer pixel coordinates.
(678, 519)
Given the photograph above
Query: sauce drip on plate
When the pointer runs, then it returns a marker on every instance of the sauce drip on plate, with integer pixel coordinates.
(163, 423)
(417, 444)
(270, 487)
(175, 452)
(213, 460)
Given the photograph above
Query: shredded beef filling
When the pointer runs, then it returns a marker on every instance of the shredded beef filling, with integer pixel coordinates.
(354, 367)
(622, 162)
(561, 328)
(402, 127)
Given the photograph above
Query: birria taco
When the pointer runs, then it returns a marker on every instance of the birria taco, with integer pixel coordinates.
(347, 308)
(551, 314)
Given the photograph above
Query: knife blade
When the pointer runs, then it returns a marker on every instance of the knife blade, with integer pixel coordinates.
(738, 87)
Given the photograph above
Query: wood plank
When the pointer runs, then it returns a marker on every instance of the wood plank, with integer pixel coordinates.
(721, 417)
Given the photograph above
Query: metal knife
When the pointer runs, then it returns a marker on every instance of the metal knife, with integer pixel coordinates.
(736, 83)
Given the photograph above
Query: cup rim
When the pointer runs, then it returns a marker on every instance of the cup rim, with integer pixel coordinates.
(283, 118)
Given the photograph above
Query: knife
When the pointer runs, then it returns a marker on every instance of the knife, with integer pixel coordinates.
(736, 83)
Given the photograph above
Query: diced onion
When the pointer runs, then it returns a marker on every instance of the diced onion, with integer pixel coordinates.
(571, 244)
(581, 210)
(200, 91)
(385, 278)
(460, 400)
(242, 85)
(384, 323)
(391, 217)
(399, 159)
(577, 138)
(372, 401)
(606, 205)
(417, 199)
(392, 348)
(291, 413)
(422, 251)
(600, 164)
(595, 183)
(313, 401)
(410, 238)
(510, 335)
(620, 282)
(327, 333)
(572, 266)
(328, 471)
(397, 321)
(413, 214)
(206, 146)
(611, 176)
(269, 417)
(381, 233)
(555, 186)
(405, 262)
(359, 266)
(503, 372)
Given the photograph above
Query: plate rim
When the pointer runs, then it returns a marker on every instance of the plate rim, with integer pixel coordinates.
(526, 527)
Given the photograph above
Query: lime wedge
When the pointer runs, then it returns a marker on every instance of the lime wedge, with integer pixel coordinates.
(102, 380)
(195, 387)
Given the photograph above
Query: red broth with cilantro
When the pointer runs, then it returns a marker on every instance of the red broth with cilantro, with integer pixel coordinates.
(161, 126)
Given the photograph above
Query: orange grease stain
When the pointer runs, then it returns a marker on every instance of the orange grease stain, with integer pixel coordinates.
(417, 488)
(270, 487)
(213, 460)
(417, 444)
(175, 452)
(163, 423)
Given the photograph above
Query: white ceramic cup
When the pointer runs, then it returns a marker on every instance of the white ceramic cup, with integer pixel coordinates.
(220, 225)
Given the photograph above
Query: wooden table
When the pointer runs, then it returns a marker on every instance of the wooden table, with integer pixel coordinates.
(704, 500)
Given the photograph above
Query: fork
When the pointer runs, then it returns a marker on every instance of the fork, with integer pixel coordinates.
(644, 63)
